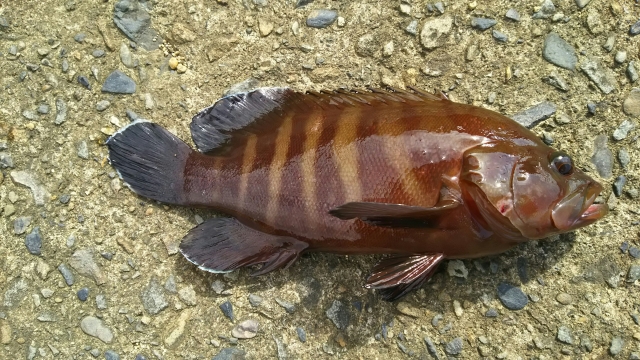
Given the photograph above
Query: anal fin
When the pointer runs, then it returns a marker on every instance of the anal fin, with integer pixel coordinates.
(224, 244)
(396, 276)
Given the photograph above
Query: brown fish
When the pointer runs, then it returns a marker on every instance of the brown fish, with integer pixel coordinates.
(399, 172)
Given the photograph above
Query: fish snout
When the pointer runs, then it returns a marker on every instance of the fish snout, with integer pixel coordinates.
(578, 209)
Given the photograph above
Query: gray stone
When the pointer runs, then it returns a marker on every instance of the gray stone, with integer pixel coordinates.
(134, 21)
(457, 268)
(83, 294)
(321, 18)
(631, 72)
(6, 160)
(499, 36)
(302, 335)
(534, 115)
(30, 115)
(255, 300)
(611, 41)
(564, 335)
(43, 109)
(98, 53)
(227, 309)
(616, 346)
(153, 298)
(21, 224)
(232, 353)
(582, 3)
(491, 313)
(242, 87)
(618, 185)
(125, 56)
(555, 80)
(512, 297)
(431, 348)
(102, 105)
(83, 150)
(635, 28)
(600, 75)
(4, 23)
(33, 241)
(119, 83)
(188, 295)
(623, 130)
(634, 273)
(339, 315)
(83, 262)
(513, 14)
(602, 157)
(101, 302)
(482, 23)
(15, 293)
(246, 329)
(621, 57)
(111, 355)
(26, 178)
(631, 105)
(93, 326)
(66, 274)
(623, 158)
(61, 111)
(454, 347)
(412, 28)
(434, 32)
(546, 10)
(289, 307)
(558, 52)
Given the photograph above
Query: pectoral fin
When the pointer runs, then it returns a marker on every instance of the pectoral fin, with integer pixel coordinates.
(396, 276)
(394, 215)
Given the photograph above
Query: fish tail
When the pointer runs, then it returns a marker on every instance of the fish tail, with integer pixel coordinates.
(150, 160)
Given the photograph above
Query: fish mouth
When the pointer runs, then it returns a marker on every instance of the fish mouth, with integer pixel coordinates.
(577, 209)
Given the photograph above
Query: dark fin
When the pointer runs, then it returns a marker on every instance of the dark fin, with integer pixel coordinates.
(396, 276)
(225, 244)
(150, 160)
(253, 112)
(394, 215)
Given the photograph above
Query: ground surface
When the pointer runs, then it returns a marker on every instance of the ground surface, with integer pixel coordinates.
(145, 300)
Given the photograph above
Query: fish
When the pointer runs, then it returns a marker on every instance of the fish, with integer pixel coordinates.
(404, 173)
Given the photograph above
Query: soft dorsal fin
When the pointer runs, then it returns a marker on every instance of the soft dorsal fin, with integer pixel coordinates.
(250, 112)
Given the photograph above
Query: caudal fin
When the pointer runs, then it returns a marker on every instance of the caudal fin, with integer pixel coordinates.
(150, 160)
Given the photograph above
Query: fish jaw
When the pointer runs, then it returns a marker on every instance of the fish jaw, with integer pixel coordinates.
(577, 209)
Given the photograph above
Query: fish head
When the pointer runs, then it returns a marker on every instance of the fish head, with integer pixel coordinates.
(532, 191)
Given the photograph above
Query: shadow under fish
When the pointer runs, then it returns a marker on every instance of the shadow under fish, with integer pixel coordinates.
(399, 172)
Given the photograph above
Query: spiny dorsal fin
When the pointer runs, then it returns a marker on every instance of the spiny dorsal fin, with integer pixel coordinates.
(250, 112)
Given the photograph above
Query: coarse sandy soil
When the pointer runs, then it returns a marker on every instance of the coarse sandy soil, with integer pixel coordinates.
(575, 283)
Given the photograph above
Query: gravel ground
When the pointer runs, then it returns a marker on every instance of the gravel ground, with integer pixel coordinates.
(89, 270)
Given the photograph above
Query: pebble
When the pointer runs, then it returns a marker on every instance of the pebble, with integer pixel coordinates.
(188, 295)
(61, 111)
(98, 53)
(301, 3)
(15, 292)
(33, 241)
(482, 23)
(83, 294)
(246, 329)
(457, 268)
(513, 14)
(634, 273)
(585, 343)
(289, 307)
(102, 105)
(84, 81)
(616, 346)
(321, 18)
(631, 105)
(623, 158)
(631, 72)
(231, 353)
(264, 27)
(366, 45)
(43, 109)
(82, 261)
(499, 36)
(93, 326)
(635, 252)
(227, 309)
(546, 10)
(242, 87)
(101, 302)
(338, 314)
(134, 21)
(83, 150)
(66, 274)
(111, 355)
(491, 313)
(79, 37)
(26, 178)
(434, 31)
(564, 335)
(618, 185)
(6, 160)
(457, 308)
(559, 52)
(119, 83)
(125, 56)
(621, 57)
(600, 75)
(582, 3)
(454, 347)
(534, 115)
(30, 115)
(635, 28)
(255, 300)
(406, 309)
(21, 224)
(591, 108)
(153, 298)
(564, 298)
(412, 28)
(512, 297)
(177, 328)
(602, 157)
(302, 335)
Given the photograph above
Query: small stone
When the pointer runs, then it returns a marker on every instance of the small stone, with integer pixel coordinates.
(245, 330)
(30, 115)
(111, 355)
(513, 14)
(499, 36)
(93, 326)
(491, 313)
(101, 302)
(6, 160)
(387, 50)
(83, 150)
(406, 309)
(635, 28)
(84, 81)
(232, 353)
(255, 300)
(66, 274)
(634, 273)
(338, 314)
(177, 329)
(153, 298)
(616, 346)
(457, 308)
(173, 63)
(618, 185)
(33, 241)
(534, 115)
(188, 295)
(125, 56)
(556, 81)
(61, 112)
(482, 23)
(591, 108)
(512, 297)
(454, 347)
(301, 334)
(621, 57)
(83, 262)
(564, 335)
(632, 74)
(582, 3)
(412, 28)
(564, 298)
(265, 27)
(631, 105)
(635, 252)
(181, 69)
(43, 109)
(434, 32)
(227, 309)
(600, 75)
(546, 10)
(83, 294)
(457, 268)
(321, 18)
(602, 157)
(218, 287)
(289, 307)
(119, 83)
(558, 52)
(102, 105)
(21, 224)
(98, 53)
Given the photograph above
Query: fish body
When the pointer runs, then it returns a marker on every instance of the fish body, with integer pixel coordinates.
(395, 172)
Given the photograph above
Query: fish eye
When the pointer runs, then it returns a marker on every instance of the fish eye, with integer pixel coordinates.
(563, 163)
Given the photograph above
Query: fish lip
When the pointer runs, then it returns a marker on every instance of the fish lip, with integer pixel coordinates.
(578, 209)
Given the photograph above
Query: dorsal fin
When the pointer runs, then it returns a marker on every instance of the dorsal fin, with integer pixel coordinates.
(249, 112)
